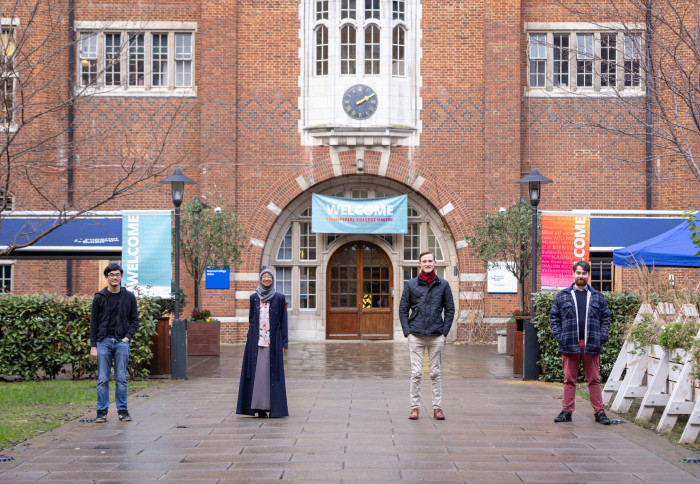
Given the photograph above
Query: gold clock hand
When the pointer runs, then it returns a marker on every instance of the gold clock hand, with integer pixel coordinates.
(366, 98)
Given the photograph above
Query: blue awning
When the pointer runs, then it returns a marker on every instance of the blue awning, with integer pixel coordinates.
(673, 248)
(77, 236)
(609, 233)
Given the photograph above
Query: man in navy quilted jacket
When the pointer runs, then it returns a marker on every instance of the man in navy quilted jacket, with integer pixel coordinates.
(580, 321)
(426, 312)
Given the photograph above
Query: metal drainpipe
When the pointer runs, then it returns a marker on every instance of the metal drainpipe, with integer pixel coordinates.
(71, 129)
(649, 121)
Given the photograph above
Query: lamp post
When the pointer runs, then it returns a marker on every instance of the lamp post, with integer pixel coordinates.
(198, 207)
(178, 334)
(531, 348)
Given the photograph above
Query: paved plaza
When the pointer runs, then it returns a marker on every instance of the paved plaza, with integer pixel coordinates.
(348, 404)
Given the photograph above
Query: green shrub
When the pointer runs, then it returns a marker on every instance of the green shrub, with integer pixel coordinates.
(678, 335)
(623, 308)
(645, 332)
(50, 335)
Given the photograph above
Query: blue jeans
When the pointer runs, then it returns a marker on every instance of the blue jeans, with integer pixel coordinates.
(108, 350)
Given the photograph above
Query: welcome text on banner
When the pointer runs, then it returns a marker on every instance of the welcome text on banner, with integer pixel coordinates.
(334, 215)
(146, 251)
(565, 239)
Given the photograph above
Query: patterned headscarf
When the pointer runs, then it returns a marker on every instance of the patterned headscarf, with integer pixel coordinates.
(266, 293)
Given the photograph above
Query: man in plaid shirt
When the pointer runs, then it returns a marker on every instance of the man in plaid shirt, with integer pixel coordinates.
(580, 321)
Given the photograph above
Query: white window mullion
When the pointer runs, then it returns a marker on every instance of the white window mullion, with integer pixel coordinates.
(596, 61)
(148, 62)
(170, 63)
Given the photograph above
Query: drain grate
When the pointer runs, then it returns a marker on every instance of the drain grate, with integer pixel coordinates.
(6, 458)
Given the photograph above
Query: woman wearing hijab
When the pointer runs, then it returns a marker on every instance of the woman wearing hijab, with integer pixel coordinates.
(262, 389)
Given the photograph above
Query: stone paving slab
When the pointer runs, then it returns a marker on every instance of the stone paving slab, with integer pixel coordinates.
(348, 424)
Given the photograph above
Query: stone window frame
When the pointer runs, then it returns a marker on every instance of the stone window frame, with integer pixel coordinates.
(177, 56)
(298, 212)
(573, 30)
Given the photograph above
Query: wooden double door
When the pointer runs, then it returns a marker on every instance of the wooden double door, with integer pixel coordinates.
(360, 293)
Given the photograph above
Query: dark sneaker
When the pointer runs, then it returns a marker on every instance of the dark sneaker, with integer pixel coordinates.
(101, 417)
(124, 416)
(602, 418)
(564, 416)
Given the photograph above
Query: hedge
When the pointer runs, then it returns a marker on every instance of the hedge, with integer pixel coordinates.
(42, 336)
(623, 309)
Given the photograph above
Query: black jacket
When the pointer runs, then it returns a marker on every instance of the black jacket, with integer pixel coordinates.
(426, 305)
(127, 322)
(278, 342)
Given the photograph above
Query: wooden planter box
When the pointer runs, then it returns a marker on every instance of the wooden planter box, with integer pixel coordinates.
(160, 345)
(518, 344)
(203, 338)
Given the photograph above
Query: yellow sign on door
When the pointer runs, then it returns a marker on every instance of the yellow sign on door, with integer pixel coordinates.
(366, 301)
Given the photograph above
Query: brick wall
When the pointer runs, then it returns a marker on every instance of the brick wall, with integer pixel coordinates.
(239, 140)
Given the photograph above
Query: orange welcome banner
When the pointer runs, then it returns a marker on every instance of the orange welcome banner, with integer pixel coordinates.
(565, 239)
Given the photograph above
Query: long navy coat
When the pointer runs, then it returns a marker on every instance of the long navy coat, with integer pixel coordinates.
(278, 340)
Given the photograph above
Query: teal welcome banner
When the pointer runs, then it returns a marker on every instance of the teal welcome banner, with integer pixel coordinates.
(334, 215)
(146, 251)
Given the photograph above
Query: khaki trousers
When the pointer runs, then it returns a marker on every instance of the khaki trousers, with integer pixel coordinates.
(416, 347)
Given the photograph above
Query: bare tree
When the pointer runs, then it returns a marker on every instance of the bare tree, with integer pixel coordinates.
(69, 143)
(658, 57)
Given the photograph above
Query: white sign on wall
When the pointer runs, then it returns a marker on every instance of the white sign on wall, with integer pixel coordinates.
(500, 280)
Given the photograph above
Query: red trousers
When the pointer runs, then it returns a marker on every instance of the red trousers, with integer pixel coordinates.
(591, 368)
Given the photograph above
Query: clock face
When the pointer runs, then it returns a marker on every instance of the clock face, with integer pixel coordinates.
(360, 102)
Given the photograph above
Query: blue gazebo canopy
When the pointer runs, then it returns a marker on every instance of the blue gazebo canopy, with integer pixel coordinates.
(673, 248)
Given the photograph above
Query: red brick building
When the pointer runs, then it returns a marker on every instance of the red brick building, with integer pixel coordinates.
(250, 98)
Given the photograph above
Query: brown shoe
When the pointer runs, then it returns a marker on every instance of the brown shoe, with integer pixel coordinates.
(413, 415)
(437, 413)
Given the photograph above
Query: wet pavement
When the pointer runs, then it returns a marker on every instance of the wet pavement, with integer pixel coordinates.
(348, 423)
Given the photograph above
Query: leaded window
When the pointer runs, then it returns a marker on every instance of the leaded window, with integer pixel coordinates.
(411, 242)
(372, 50)
(633, 55)
(348, 9)
(561, 60)
(307, 242)
(113, 68)
(348, 50)
(584, 60)
(538, 60)
(285, 249)
(608, 60)
(125, 57)
(88, 58)
(321, 50)
(322, 10)
(283, 283)
(434, 245)
(183, 60)
(372, 9)
(6, 277)
(159, 59)
(137, 60)
(398, 51)
(398, 10)
(307, 287)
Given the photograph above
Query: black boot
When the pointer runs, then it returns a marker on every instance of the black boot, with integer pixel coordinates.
(564, 416)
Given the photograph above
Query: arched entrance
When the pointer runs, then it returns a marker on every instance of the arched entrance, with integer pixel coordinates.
(360, 293)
